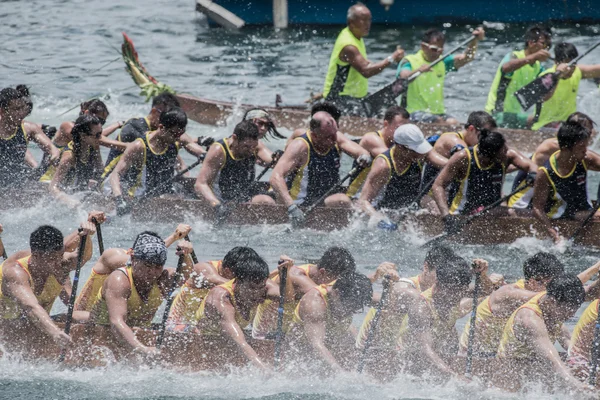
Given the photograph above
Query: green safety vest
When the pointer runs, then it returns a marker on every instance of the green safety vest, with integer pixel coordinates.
(501, 97)
(562, 103)
(426, 93)
(342, 79)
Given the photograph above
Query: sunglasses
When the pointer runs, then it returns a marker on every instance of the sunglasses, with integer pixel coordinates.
(433, 47)
(102, 120)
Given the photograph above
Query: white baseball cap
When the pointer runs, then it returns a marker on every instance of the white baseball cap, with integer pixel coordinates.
(410, 135)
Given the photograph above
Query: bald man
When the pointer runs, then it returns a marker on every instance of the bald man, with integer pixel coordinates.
(349, 69)
(310, 166)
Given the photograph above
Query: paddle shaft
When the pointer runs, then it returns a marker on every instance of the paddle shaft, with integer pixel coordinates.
(4, 255)
(99, 234)
(423, 192)
(180, 174)
(193, 254)
(373, 328)
(586, 221)
(443, 57)
(469, 366)
(335, 188)
(71, 305)
(279, 335)
(595, 353)
(264, 171)
(163, 324)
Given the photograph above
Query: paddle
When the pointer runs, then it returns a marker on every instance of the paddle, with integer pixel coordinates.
(178, 175)
(470, 218)
(535, 91)
(99, 234)
(275, 157)
(386, 96)
(595, 353)
(353, 172)
(163, 324)
(4, 255)
(472, 327)
(73, 296)
(193, 254)
(279, 334)
(586, 221)
(373, 328)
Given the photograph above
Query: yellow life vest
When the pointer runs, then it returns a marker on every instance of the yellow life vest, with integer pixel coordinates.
(425, 93)
(342, 79)
(562, 103)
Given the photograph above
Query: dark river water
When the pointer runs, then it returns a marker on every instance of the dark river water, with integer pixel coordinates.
(62, 48)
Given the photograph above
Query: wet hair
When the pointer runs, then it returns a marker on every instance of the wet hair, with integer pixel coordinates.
(7, 95)
(454, 272)
(565, 52)
(174, 118)
(566, 289)
(432, 34)
(571, 133)
(94, 106)
(438, 255)
(46, 238)
(582, 119)
(535, 32)
(490, 143)
(246, 265)
(82, 127)
(246, 130)
(329, 108)
(168, 100)
(355, 290)
(271, 129)
(24, 91)
(393, 111)
(337, 261)
(542, 266)
(481, 120)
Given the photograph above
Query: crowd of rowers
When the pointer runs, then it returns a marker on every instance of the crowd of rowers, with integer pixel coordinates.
(235, 298)
(394, 166)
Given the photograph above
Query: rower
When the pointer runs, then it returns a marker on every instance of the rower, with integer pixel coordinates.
(111, 260)
(379, 142)
(80, 164)
(15, 134)
(517, 69)
(229, 308)
(148, 165)
(227, 173)
(581, 346)
(560, 189)
(433, 259)
(395, 175)
(477, 175)
(30, 285)
(266, 129)
(424, 99)
(131, 295)
(322, 319)
(349, 69)
(527, 352)
(562, 101)
(330, 109)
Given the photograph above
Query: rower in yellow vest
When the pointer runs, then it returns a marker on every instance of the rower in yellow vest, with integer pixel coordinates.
(562, 102)
(424, 99)
(349, 69)
(517, 69)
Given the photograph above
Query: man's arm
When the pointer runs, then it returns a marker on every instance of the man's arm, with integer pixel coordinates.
(469, 55)
(373, 145)
(214, 161)
(112, 144)
(294, 156)
(191, 145)
(376, 180)
(366, 68)
(349, 147)
(520, 161)
(264, 156)
(64, 166)
(34, 132)
(30, 159)
(133, 155)
(541, 189)
(112, 127)
(516, 63)
(181, 232)
(589, 71)
(456, 167)
(436, 159)
(592, 159)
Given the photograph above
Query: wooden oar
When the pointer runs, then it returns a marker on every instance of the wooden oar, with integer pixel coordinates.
(586, 221)
(99, 234)
(386, 96)
(470, 218)
(279, 334)
(535, 91)
(387, 284)
(71, 305)
(193, 254)
(163, 324)
(595, 353)
(469, 366)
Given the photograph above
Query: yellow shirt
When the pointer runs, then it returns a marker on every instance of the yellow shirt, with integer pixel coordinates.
(587, 322)
(9, 309)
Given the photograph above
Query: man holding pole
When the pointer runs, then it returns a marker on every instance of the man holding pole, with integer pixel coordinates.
(424, 98)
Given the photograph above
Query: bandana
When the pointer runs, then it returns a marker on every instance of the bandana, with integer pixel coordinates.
(257, 113)
(151, 249)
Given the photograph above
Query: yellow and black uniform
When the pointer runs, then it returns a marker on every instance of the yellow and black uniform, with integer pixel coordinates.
(212, 328)
(265, 320)
(402, 187)
(342, 79)
(236, 176)
(511, 346)
(429, 171)
(155, 175)
(587, 322)
(139, 312)
(133, 129)
(188, 300)
(320, 173)
(9, 309)
(562, 103)
(357, 183)
(479, 188)
(12, 158)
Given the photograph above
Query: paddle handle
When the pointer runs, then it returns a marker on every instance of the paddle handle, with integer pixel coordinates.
(595, 351)
(99, 234)
(73, 297)
(585, 53)
(280, 313)
(473, 320)
(586, 221)
(443, 57)
(387, 284)
(193, 254)
(163, 323)
(4, 255)
(335, 188)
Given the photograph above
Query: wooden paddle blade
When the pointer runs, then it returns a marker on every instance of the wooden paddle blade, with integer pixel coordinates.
(385, 97)
(535, 91)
